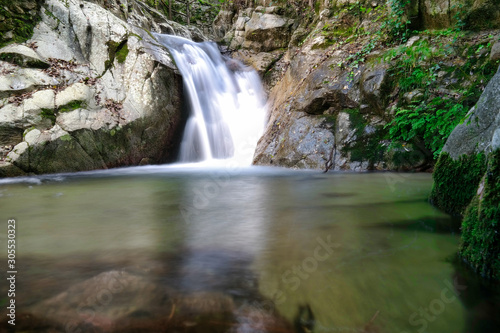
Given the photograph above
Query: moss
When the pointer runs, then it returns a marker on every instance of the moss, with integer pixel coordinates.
(456, 182)
(121, 54)
(49, 114)
(66, 137)
(480, 245)
(367, 146)
(21, 23)
(73, 105)
(116, 50)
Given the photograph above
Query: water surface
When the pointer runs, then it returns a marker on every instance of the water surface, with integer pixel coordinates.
(365, 251)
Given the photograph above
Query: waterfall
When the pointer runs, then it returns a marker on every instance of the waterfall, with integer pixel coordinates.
(226, 102)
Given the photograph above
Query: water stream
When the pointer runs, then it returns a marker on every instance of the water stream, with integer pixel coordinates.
(225, 99)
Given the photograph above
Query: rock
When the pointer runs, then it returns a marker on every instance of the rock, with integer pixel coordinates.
(240, 23)
(222, 23)
(22, 80)
(372, 84)
(117, 96)
(8, 35)
(267, 32)
(412, 41)
(22, 56)
(414, 96)
(261, 62)
(296, 140)
(10, 170)
(325, 13)
(478, 133)
(495, 52)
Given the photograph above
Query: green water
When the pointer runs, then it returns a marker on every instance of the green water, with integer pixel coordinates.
(254, 231)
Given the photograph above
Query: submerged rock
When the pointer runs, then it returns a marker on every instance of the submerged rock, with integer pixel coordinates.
(119, 301)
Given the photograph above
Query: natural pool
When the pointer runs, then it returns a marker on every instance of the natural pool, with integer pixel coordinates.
(365, 251)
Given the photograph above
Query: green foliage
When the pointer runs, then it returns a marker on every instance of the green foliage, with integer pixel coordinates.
(73, 105)
(396, 24)
(480, 245)
(49, 114)
(431, 119)
(21, 24)
(456, 181)
(432, 123)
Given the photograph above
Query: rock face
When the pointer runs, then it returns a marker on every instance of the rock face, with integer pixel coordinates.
(481, 132)
(467, 182)
(88, 91)
(334, 93)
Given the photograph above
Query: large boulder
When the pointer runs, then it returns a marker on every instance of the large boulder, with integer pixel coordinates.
(480, 133)
(467, 181)
(88, 91)
(266, 31)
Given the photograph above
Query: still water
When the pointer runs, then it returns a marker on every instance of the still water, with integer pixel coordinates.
(364, 252)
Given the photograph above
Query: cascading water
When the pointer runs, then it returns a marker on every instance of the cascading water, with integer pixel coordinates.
(226, 101)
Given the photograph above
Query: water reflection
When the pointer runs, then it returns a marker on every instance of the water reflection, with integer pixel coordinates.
(221, 251)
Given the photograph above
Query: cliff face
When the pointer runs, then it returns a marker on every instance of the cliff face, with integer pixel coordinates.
(90, 89)
(340, 80)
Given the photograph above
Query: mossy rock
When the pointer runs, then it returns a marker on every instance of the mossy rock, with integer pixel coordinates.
(480, 245)
(456, 181)
(20, 18)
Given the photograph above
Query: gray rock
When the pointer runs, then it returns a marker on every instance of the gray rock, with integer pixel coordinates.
(22, 80)
(22, 55)
(479, 133)
(495, 52)
(267, 32)
(222, 24)
(414, 96)
(106, 111)
(372, 82)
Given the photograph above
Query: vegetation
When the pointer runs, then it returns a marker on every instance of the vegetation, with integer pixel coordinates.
(17, 22)
(480, 245)
(421, 70)
(456, 182)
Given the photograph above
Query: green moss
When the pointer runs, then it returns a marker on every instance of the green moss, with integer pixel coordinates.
(66, 137)
(19, 60)
(49, 114)
(116, 50)
(73, 105)
(21, 24)
(367, 146)
(456, 182)
(121, 54)
(480, 245)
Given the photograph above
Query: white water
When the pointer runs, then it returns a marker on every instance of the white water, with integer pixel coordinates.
(226, 103)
